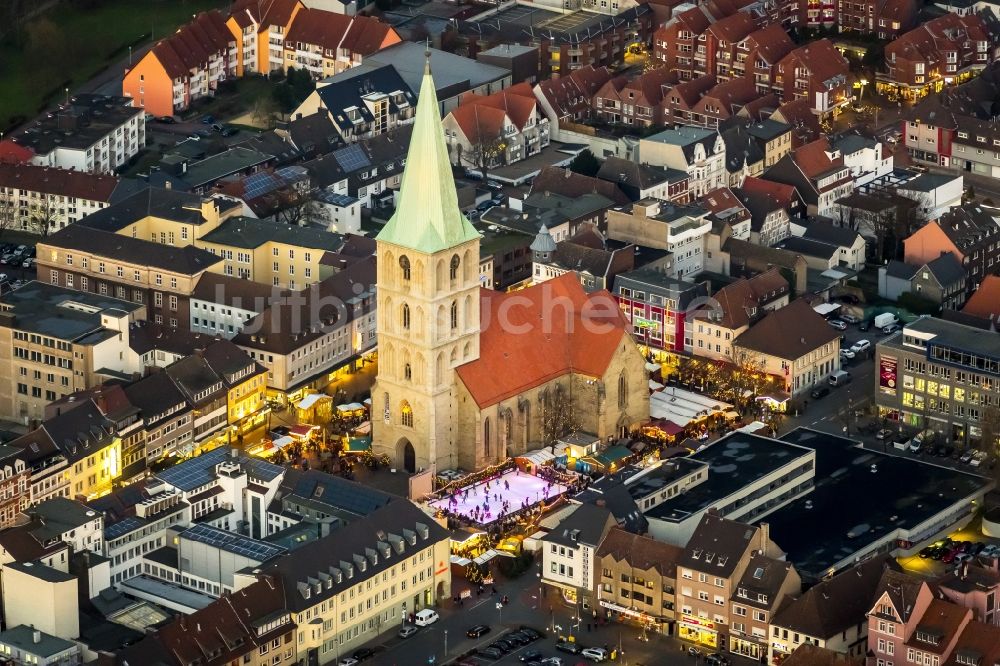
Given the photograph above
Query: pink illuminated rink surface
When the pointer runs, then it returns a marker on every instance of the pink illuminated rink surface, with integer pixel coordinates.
(522, 487)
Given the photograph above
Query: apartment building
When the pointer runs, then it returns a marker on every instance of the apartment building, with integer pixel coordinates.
(14, 484)
(766, 584)
(817, 171)
(326, 43)
(760, 52)
(245, 382)
(675, 42)
(42, 200)
(970, 232)
(636, 102)
(679, 102)
(713, 563)
(795, 344)
(884, 19)
(975, 146)
(221, 305)
(642, 181)
(497, 129)
(658, 307)
(167, 416)
(701, 153)
(942, 52)
(635, 579)
(817, 72)
(680, 230)
(717, 49)
(569, 552)
(90, 133)
(567, 99)
(723, 102)
(940, 375)
(831, 614)
(308, 340)
(715, 326)
(206, 392)
(56, 341)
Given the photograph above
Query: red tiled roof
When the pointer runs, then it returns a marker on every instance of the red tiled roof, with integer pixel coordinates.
(985, 302)
(730, 94)
(193, 44)
(783, 194)
(694, 20)
(518, 102)
(733, 28)
(12, 152)
(332, 31)
(63, 182)
(943, 618)
(691, 91)
(821, 58)
(570, 94)
(279, 12)
(798, 113)
(570, 184)
(771, 43)
(581, 336)
(980, 640)
(479, 122)
(813, 159)
(367, 35)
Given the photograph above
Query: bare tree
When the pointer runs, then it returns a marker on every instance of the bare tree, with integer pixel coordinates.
(558, 415)
(42, 216)
(989, 425)
(265, 111)
(848, 218)
(745, 373)
(9, 215)
(300, 210)
(488, 147)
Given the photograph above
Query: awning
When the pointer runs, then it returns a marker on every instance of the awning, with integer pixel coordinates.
(486, 557)
(281, 442)
(358, 444)
(538, 457)
(460, 561)
(364, 429)
(350, 407)
(652, 367)
(752, 428)
(826, 308)
(669, 427)
(731, 414)
(654, 385)
(302, 430)
(310, 400)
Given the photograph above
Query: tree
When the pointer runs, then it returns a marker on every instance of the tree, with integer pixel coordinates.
(265, 111)
(300, 210)
(989, 426)
(487, 147)
(746, 373)
(9, 216)
(585, 163)
(452, 41)
(849, 218)
(42, 216)
(558, 415)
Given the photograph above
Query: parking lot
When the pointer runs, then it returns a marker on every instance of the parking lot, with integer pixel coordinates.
(13, 271)
(950, 553)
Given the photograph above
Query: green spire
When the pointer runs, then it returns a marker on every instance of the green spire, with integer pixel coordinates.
(427, 218)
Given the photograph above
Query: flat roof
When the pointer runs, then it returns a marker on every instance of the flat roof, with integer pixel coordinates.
(47, 645)
(238, 544)
(859, 497)
(734, 462)
(250, 233)
(58, 312)
(661, 476)
(947, 334)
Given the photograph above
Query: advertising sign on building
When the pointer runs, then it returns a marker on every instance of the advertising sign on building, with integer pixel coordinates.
(887, 366)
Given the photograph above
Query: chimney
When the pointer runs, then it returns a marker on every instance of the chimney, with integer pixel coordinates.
(36, 635)
(765, 536)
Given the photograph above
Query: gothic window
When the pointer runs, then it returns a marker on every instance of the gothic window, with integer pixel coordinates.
(486, 438)
(406, 316)
(454, 267)
(622, 391)
(404, 265)
(454, 315)
(406, 415)
(407, 372)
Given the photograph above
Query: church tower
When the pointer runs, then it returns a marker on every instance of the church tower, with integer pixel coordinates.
(428, 303)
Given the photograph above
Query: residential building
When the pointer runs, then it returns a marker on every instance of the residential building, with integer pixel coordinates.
(868, 159)
(56, 341)
(818, 72)
(567, 99)
(569, 552)
(872, 213)
(975, 147)
(326, 43)
(766, 584)
(91, 133)
(941, 281)
(635, 579)
(572, 185)
(657, 306)
(680, 101)
(27, 645)
(501, 128)
(974, 587)
(221, 305)
(717, 51)
(741, 258)
(14, 486)
(818, 172)
(744, 158)
(984, 303)
(674, 43)
(709, 571)
(521, 61)
(939, 375)
(884, 19)
(935, 194)
(594, 265)
(830, 615)
(850, 245)
(642, 181)
(715, 326)
(770, 221)
(206, 392)
(701, 153)
(947, 50)
(307, 339)
(42, 200)
(794, 344)
(41, 596)
(167, 416)
(728, 215)
(202, 174)
(636, 102)
(680, 230)
(723, 101)
(760, 52)
(259, 30)
(969, 232)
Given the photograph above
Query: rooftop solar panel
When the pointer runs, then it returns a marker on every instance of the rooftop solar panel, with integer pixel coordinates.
(233, 543)
(352, 158)
(123, 527)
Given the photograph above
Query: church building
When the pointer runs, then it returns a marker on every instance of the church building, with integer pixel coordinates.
(469, 376)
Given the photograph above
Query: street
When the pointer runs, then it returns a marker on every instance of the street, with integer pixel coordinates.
(428, 645)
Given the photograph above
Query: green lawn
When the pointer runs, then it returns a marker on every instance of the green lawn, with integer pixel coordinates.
(77, 44)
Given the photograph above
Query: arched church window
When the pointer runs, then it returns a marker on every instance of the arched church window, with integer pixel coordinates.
(406, 316)
(486, 437)
(622, 390)
(455, 262)
(407, 372)
(404, 265)
(406, 415)
(454, 315)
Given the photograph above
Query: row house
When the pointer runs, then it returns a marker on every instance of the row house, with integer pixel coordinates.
(41, 200)
(259, 28)
(709, 572)
(167, 416)
(818, 172)
(657, 305)
(569, 552)
(184, 67)
(883, 19)
(766, 584)
(942, 52)
(699, 152)
(643, 181)
(769, 219)
(758, 55)
(637, 102)
(679, 102)
(674, 44)
(817, 72)
(567, 99)
(718, 46)
(680, 230)
(501, 128)
(975, 146)
(723, 102)
(970, 232)
(15, 479)
(326, 43)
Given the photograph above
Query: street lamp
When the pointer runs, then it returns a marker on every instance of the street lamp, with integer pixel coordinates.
(500, 614)
(446, 644)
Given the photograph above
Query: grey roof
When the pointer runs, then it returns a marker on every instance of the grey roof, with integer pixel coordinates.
(828, 233)
(768, 129)
(947, 270)
(954, 335)
(168, 204)
(851, 143)
(47, 309)
(453, 74)
(85, 121)
(518, 22)
(314, 134)
(200, 471)
(507, 50)
(741, 147)
(807, 247)
(193, 376)
(250, 232)
(322, 489)
(926, 182)
(347, 90)
(235, 160)
(631, 176)
(716, 545)
(587, 525)
(40, 571)
(81, 431)
(231, 542)
(763, 575)
(60, 515)
(22, 638)
(901, 270)
(187, 260)
(543, 241)
(687, 138)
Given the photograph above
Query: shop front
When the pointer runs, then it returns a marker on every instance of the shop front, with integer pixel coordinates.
(779, 652)
(638, 618)
(747, 647)
(697, 630)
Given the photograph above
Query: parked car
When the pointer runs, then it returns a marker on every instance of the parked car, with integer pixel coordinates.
(860, 346)
(477, 631)
(489, 653)
(568, 647)
(167, 120)
(967, 456)
(837, 324)
(363, 654)
(473, 215)
(531, 656)
(207, 119)
(847, 353)
(407, 631)
(883, 434)
(348, 661)
(528, 631)
(484, 206)
(819, 392)
(594, 654)
(552, 661)
(890, 329)
(717, 659)
(850, 319)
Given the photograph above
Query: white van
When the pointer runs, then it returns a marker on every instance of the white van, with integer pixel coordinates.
(426, 617)
(839, 378)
